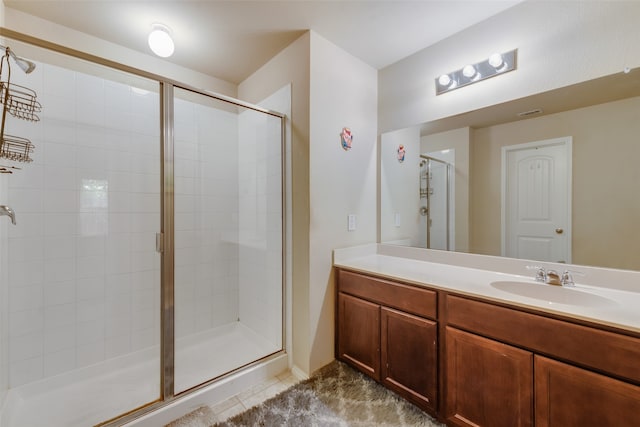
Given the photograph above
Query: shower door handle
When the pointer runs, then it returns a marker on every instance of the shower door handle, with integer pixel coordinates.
(6, 210)
(159, 242)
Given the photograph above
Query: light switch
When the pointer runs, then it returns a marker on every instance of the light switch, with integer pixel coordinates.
(351, 222)
(396, 219)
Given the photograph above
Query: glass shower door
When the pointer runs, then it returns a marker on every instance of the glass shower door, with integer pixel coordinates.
(228, 237)
(438, 218)
(435, 189)
(83, 280)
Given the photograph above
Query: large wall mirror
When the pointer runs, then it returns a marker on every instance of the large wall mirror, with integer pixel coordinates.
(500, 177)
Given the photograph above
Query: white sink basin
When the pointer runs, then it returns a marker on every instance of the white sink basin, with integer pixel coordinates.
(552, 294)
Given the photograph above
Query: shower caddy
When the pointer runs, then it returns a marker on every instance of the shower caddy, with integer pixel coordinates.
(20, 102)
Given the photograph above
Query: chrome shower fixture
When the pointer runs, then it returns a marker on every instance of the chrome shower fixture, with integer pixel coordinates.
(24, 64)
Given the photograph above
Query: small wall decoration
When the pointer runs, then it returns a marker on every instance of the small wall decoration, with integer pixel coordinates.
(346, 137)
(401, 153)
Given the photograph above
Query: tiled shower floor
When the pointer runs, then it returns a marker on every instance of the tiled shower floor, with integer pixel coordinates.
(98, 393)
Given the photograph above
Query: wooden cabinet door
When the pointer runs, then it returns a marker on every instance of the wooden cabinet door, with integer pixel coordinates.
(409, 357)
(567, 396)
(487, 383)
(359, 334)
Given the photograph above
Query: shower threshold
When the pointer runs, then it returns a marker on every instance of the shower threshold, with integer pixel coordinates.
(94, 394)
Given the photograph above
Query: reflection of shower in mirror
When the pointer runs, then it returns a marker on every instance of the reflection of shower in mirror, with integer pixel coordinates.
(435, 197)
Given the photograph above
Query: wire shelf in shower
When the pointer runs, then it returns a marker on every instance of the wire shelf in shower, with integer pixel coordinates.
(16, 148)
(20, 101)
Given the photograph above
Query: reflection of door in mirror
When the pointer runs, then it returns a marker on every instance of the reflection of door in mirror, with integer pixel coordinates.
(536, 200)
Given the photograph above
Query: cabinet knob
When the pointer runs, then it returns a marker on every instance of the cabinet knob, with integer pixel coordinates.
(559, 231)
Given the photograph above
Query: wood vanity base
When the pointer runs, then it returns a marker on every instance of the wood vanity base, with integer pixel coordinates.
(492, 364)
(387, 330)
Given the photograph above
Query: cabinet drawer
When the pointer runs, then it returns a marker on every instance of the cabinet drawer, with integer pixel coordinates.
(411, 299)
(605, 351)
(566, 396)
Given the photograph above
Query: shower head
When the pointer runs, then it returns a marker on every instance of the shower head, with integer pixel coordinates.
(24, 64)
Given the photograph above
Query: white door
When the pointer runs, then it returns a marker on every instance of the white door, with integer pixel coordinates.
(536, 200)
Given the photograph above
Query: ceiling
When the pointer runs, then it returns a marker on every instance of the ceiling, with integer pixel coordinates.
(232, 39)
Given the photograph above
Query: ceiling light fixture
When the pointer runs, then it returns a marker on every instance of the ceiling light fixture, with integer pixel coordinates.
(160, 40)
(497, 63)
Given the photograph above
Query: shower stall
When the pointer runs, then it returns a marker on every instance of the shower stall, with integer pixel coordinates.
(435, 202)
(147, 259)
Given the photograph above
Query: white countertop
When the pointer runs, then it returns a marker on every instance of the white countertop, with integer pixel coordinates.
(604, 305)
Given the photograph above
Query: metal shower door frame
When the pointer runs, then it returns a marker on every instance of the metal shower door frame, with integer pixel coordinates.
(447, 165)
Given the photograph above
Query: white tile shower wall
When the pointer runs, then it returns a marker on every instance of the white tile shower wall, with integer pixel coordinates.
(83, 272)
(206, 220)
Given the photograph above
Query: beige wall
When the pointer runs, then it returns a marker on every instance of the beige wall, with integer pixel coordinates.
(559, 43)
(605, 202)
(331, 90)
(343, 93)
(400, 188)
(291, 66)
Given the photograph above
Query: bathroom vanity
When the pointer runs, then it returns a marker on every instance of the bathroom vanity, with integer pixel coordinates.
(469, 347)
(387, 330)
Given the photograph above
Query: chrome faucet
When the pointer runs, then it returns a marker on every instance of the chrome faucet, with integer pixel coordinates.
(6, 210)
(567, 278)
(541, 273)
(552, 277)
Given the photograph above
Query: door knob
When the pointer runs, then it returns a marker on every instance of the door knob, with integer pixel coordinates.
(559, 231)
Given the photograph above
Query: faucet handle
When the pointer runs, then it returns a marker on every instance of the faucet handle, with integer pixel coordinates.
(541, 273)
(6, 210)
(567, 277)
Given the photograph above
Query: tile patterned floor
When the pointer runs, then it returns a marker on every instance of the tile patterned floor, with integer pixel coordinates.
(253, 396)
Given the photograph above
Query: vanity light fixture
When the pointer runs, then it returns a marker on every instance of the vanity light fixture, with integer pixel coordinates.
(469, 71)
(160, 40)
(444, 80)
(497, 63)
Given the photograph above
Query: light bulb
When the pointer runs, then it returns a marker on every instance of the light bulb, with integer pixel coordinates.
(160, 41)
(496, 60)
(469, 71)
(444, 80)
